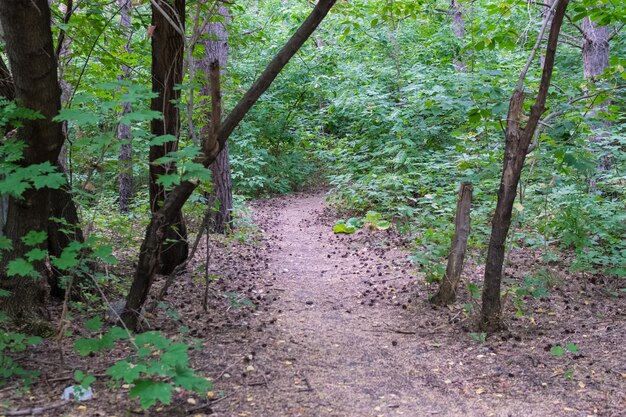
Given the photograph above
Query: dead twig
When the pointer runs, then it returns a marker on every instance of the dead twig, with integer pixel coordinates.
(33, 411)
(203, 406)
(229, 367)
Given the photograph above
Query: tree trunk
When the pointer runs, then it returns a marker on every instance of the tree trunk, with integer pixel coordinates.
(458, 27)
(7, 92)
(34, 69)
(161, 220)
(517, 141)
(447, 289)
(596, 54)
(216, 50)
(125, 178)
(7, 89)
(167, 74)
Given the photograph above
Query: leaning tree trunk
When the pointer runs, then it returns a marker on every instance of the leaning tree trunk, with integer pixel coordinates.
(166, 216)
(216, 51)
(34, 69)
(447, 290)
(596, 54)
(517, 142)
(125, 178)
(167, 75)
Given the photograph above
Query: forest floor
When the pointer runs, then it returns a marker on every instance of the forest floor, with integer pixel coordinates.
(303, 322)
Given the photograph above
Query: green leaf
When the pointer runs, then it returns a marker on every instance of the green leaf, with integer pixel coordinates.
(160, 140)
(78, 116)
(149, 392)
(33, 340)
(341, 227)
(186, 378)
(105, 253)
(86, 346)
(572, 347)
(140, 116)
(36, 254)
(93, 324)
(69, 259)
(125, 371)
(557, 351)
(5, 243)
(20, 267)
(175, 355)
(153, 338)
(33, 238)
(168, 180)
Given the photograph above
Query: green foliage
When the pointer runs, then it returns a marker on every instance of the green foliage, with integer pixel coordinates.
(373, 220)
(347, 227)
(12, 342)
(479, 337)
(559, 351)
(155, 368)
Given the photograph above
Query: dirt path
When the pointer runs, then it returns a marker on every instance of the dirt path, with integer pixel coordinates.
(336, 354)
(352, 335)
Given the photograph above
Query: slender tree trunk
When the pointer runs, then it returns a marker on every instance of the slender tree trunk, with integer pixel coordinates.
(166, 216)
(596, 54)
(447, 290)
(216, 50)
(7, 92)
(7, 89)
(517, 141)
(167, 74)
(393, 38)
(34, 69)
(458, 28)
(125, 178)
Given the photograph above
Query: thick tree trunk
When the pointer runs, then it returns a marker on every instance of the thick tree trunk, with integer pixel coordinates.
(447, 289)
(596, 54)
(596, 49)
(34, 69)
(517, 141)
(161, 220)
(125, 178)
(216, 50)
(167, 73)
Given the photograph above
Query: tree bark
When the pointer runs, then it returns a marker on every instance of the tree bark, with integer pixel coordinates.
(125, 178)
(447, 290)
(7, 92)
(161, 220)
(167, 74)
(517, 141)
(7, 89)
(596, 55)
(458, 28)
(216, 51)
(34, 69)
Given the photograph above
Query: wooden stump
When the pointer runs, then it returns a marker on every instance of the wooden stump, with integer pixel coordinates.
(447, 290)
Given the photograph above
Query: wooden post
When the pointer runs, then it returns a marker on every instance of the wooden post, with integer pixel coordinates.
(447, 290)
